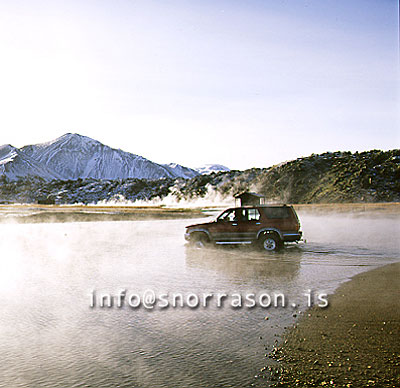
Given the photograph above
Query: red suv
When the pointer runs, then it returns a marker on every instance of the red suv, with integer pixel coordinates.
(267, 226)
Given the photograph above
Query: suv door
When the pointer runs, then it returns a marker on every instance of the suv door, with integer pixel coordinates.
(252, 224)
(237, 225)
(228, 226)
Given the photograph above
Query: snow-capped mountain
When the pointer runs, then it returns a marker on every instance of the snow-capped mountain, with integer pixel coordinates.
(180, 171)
(14, 164)
(209, 168)
(74, 156)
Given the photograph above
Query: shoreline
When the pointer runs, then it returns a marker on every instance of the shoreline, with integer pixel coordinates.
(86, 213)
(386, 208)
(35, 213)
(354, 342)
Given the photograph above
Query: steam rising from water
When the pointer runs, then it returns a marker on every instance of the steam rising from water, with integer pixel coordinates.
(212, 198)
(173, 200)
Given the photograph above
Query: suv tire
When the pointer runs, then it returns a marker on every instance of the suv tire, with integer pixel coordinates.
(200, 240)
(270, 242)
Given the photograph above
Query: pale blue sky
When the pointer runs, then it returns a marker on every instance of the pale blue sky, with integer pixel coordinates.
(241, 83)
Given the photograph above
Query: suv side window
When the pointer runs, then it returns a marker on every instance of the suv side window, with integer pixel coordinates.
(240, 215)
(253, 215)
(277, 212)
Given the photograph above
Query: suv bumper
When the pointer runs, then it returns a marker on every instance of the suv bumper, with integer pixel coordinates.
(291, 236)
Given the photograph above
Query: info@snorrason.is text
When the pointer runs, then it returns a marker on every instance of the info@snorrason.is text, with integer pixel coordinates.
(150, 299)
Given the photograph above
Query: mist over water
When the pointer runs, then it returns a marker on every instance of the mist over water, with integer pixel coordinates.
(50, 337)
(212, 198)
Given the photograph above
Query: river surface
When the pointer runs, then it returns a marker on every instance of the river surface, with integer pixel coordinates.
(50, 274)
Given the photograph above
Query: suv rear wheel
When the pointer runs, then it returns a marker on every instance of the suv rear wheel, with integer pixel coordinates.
(270, 242)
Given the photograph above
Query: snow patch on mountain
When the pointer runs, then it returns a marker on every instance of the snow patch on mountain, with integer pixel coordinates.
(15, 164)
(7, 153)
(176, 170)
(210, 168)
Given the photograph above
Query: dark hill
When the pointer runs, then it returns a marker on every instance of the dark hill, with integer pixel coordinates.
(371, 176)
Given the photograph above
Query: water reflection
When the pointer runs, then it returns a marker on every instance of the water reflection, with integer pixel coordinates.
(245, 263)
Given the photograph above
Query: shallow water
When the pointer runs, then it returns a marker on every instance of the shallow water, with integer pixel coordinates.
(51, 337)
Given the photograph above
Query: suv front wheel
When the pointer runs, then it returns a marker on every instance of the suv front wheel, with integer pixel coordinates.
(270, 242)
(199, 240)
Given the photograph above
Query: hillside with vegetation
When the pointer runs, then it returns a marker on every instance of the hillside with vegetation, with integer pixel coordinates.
(332, 177)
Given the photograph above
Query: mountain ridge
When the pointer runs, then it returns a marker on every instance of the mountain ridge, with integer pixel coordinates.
(74, 156)
(332, 177)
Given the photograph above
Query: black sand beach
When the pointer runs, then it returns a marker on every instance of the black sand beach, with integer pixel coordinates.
(354, 342)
